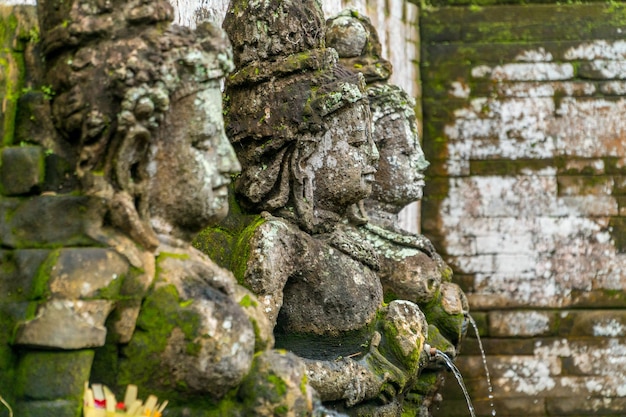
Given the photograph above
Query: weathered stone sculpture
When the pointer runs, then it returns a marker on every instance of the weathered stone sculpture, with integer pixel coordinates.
(138, 163)
(301, 127)
(410, 268)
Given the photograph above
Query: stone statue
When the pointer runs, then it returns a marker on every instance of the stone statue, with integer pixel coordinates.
(301, 126)
(410, 267)
(140, 164)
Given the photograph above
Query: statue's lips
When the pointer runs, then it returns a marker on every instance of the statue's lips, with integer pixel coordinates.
(368, 174)
(221, 188)
(369, 177)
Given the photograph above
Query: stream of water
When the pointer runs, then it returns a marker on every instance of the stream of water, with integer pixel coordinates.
(457, 374)
(482, 352)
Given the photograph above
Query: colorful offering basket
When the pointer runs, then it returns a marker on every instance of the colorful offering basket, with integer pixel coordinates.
(99, 401)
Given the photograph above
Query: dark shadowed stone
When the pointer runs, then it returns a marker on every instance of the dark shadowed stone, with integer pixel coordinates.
(21, 169)
(55, 408)
(66, 324)
(50, 375)
(18, 273)
(50, 221)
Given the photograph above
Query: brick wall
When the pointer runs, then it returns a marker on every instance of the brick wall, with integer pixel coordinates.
(524, 126)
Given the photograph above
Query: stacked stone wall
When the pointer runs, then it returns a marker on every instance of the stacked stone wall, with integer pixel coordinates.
(524, 127)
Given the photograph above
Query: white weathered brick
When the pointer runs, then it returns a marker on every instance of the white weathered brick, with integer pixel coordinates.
(476, 263)
(519, 323)
(599, 49)
(518, 243)
(534, 55)
(539, 71)
(545, 89)
(513, 264)
(591, 205)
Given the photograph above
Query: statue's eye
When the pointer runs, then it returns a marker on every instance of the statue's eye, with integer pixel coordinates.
(203, 142)
(358, 137)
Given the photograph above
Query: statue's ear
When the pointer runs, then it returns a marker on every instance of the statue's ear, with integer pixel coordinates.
(132, 159)
(129, 206)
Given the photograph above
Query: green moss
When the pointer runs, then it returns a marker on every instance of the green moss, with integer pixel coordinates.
(216, 242)
(279, 385)
(392, 334)
(303, 384)
(185, 303)
(41, 290)
(69, 371)
(247, 301)
(161, 313)
(241, 252)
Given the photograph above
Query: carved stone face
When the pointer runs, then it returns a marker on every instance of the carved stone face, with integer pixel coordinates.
(400, 178)
(191, 164)
(343, 163)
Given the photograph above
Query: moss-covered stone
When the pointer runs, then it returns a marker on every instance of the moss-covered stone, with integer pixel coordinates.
(59, 408)
(161, 313)
(52, 375)
(50, 221)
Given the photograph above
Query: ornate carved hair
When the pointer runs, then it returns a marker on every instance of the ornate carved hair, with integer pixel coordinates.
(281, 97)
(115, 67)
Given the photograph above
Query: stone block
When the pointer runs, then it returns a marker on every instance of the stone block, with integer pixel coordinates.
(53, 375)
(18, 273)
(578, 405)
(590, 205)
(603, 70)
(521, 323)
(532, 23)
(577, 185)
(604, 323)
(598, 299)
(21, 169)
(509, 167)
(580, 166)
(617, 226)
(10, 313)
(615, 165)
(56, 408)
(84, 273)
(497, 346)
(66, 324)
(621, 203)
(51, 221)
(619, 185)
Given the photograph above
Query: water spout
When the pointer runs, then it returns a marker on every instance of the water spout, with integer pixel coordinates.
(437, 355)
(482, 351)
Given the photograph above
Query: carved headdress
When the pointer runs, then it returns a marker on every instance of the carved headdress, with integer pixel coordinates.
(392, 108)
(115, 67)
(285, 87)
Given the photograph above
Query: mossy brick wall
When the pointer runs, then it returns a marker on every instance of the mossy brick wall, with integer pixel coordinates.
(34, 382)
(524, 126)
(14, 303)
